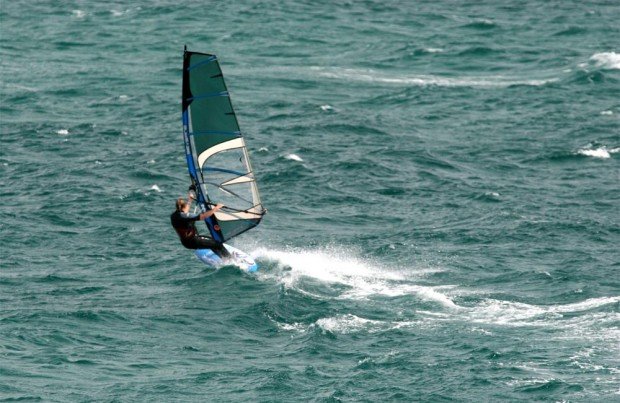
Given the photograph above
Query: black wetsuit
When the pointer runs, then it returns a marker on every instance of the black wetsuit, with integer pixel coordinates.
(186, 229)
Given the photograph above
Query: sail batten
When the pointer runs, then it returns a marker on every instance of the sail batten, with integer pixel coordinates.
(208, 60)
(209, 95)
(217, 156)
(207, 132)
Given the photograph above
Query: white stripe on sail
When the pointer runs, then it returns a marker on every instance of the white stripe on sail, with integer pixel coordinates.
(242, 215)
(255, 196)
(227, 145)
(240, 179)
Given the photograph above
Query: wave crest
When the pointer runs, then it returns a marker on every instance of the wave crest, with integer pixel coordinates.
(606, 60)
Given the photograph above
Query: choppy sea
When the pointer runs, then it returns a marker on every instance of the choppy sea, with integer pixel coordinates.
(443, 187)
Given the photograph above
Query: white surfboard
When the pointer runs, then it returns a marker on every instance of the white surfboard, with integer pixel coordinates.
(237, 258)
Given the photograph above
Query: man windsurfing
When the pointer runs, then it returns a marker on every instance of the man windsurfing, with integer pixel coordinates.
(184, 224)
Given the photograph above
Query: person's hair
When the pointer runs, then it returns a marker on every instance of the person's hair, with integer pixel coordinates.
(180, 204)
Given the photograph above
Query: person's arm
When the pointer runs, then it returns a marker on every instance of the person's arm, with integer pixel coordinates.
(209, 213)
(202, 216)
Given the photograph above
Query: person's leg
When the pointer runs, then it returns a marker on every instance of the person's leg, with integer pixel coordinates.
(208, 243)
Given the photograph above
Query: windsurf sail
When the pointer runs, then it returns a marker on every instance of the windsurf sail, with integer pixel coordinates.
(217, 158)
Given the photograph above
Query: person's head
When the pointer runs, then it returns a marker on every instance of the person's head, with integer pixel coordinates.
(182, 205)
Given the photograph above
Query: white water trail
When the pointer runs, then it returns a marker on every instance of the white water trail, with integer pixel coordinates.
(361, 279)
(337, 274)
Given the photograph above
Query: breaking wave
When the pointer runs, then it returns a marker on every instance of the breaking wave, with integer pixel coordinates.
(606, 60)
(598, 152)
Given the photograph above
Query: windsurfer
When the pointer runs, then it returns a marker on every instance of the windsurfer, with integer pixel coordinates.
(183, 223)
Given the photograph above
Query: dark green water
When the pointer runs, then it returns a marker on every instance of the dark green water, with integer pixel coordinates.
(443, 186)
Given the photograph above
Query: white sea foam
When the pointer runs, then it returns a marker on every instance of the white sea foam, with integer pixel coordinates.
(62, 132)
(338, 274)
(378, 77)
(19, 87)
(607, 113)
(606, 60)
(529, 382)
(583, 359)
(327, 108)
(293, 157)
(323, 265)
(484, 21)
(350, 323)
(347, 324)
(600, 152)
(155, 188)
(425, 272)
(517, 314)
(297, 327)
(119, 13)
(372, 76)
(78, 13)
(586, 305)
(362, 279)
(504, 313)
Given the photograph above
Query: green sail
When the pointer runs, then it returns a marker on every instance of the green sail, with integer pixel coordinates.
(217, 157)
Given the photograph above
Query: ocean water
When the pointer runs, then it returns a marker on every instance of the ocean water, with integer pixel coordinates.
(443, 187)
